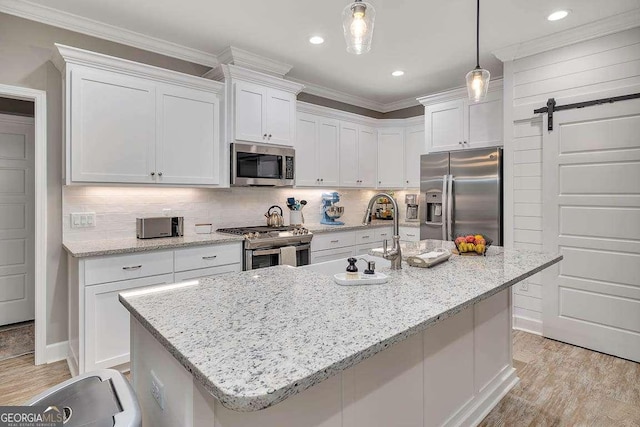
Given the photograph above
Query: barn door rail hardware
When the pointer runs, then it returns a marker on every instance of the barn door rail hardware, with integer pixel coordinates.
(552, 107)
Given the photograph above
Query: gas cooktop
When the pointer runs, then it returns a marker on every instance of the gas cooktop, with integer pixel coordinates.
(263, 236)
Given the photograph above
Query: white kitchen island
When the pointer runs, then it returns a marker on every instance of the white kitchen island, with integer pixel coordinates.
(288, 347)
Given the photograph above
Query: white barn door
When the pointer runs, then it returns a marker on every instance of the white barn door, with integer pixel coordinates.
(591, 214)
(17, 192)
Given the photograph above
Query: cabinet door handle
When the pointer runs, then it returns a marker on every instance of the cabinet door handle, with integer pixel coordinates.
(321, 179)
(159, 173)
(379, 182)
(210, 257)
(335, 241)
(264, 136)
(407, 181)
(460, 142)
(464, 142)
(153, 173)
(133, 267)
(269, 136)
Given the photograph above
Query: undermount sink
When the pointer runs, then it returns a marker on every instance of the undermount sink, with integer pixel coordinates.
(330, 268)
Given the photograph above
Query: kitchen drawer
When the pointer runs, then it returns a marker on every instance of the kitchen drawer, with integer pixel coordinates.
(365, 248)
(384, 233)
(332, 254)
(208, 256)
(206, 272)
(127, 267)
(326, 241)
(410, 234)
(365, 236)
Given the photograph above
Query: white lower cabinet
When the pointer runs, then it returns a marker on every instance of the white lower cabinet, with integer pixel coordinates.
(99, 324)
(107, 321)
(409, 234)
(344, 244)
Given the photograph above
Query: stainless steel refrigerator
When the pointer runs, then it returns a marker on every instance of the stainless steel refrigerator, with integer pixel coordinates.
(461, 194)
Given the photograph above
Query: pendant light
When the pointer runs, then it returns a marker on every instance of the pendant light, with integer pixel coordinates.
(357, 22)
(478, 78)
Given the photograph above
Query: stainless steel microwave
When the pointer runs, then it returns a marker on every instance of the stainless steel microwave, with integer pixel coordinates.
(262, 165)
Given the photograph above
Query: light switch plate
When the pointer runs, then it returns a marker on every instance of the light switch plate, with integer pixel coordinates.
(83, 220)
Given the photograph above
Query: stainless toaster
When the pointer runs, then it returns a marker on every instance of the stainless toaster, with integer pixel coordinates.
(163, 226)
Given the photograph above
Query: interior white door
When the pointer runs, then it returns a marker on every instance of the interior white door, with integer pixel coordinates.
(367, 156)
(306, 141)
(591, 211)
(188, 150)
(414, 147)
(390, 158)
(349, 175)
(250, 112)
(281, 113)
(100, 150)
(327, 151)
(444, 126)
(17, 191)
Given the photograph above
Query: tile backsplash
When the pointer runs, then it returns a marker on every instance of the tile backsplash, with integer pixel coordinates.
(117, 208)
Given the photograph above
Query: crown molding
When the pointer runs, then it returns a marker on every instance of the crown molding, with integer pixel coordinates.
(591, 30)
(400, 105)
(332, 113)
(225, 72)
(252, 61)
(90, 27)
(340, 96)
(495, 85)
(66, 55)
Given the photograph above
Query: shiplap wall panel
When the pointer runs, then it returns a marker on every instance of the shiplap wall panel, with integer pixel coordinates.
(611, 62)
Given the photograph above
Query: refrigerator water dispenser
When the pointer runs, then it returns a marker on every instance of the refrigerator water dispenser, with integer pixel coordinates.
(434, 206)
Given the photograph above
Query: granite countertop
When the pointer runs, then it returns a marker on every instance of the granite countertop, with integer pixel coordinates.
(322, 228)
(81, 249)
(255, 338)
(89, 248)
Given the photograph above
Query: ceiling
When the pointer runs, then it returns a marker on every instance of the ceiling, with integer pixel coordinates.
(433, 41)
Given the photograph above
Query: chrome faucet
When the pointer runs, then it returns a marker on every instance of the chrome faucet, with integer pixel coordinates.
(395, 254)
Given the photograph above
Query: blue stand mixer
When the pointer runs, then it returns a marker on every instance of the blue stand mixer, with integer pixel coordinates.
(330, 212)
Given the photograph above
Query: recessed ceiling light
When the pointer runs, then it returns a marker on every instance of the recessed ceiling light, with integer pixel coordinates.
(316, 40)
(558, 15)
(397, 73)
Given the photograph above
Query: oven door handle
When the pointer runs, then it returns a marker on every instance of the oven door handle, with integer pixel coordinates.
(259, 252)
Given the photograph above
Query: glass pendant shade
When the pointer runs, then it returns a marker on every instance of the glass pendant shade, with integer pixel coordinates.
(357, 22)
(478, 84)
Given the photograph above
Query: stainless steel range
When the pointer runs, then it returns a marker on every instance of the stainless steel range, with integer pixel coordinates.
(262, 244)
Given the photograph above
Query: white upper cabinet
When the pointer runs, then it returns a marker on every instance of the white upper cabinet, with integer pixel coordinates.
(452, 122)
(358, 154)
(444, 125)
(111, 127)
(367, 156)
(262, 107)
(317, 151)
(250, 112)
(189, 123)
(414, 147)
(391, 158)
(132, 123)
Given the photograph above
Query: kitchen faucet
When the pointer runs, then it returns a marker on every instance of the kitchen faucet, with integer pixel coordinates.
(395, 254)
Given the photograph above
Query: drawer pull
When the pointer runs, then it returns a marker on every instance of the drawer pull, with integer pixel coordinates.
(365, 237)
(335, 241)
(210, 257)
(411, 235)
(133, 267)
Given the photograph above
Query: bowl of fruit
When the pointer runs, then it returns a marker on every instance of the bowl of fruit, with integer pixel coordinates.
(472, 244)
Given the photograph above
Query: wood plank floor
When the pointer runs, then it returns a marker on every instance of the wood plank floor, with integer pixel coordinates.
(561, 385)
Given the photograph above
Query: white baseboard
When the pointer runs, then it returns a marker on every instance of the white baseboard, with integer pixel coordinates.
(57, 351)
(526, 324)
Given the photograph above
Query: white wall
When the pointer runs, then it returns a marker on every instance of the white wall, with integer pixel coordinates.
(606, 63)
(26, 48)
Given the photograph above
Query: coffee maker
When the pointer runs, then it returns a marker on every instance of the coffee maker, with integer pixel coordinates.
(411, 200)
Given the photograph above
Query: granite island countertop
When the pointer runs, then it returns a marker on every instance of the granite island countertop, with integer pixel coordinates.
(255, 338)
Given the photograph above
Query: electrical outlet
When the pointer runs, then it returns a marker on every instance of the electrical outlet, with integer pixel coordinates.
(166, 211)
(83, 220)
(157, 390)
(524, 287)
